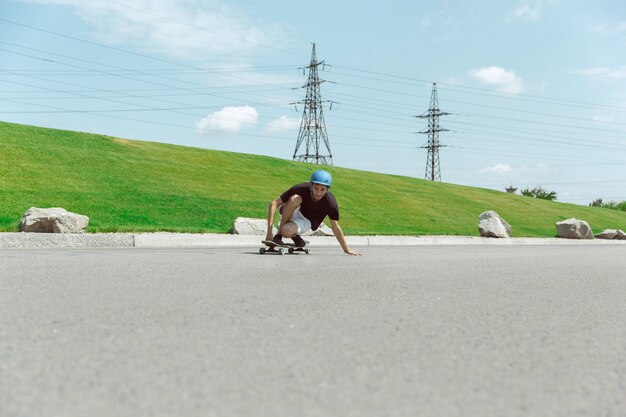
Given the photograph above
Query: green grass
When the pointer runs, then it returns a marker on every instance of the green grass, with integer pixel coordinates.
(134, 186)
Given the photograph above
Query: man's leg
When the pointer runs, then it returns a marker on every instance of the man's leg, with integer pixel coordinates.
(288, 228)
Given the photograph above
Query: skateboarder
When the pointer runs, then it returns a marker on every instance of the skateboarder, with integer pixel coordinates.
(303, 207)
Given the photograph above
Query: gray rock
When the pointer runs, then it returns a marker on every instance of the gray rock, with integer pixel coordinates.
(250, 226)
(620, 235)
(608, 234)
(53, 220)
(573, 229)
(323, 230)
(490, 224)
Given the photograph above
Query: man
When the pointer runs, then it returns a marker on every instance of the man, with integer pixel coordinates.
(303, 207)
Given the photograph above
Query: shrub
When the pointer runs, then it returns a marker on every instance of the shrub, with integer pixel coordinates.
(613, 205)
(539, 192)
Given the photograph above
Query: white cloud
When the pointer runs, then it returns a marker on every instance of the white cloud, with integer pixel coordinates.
(178, 28)
(610, 29)
(454, 81)
(593, 72)
(531, 10)
(498, 169)
(426, 21)
(283, 123)
(605, 72)
(603, 119)
(438, 18)
(228, 120)
(527, 10)
(239, 73)
(540, 167)
(505, 81)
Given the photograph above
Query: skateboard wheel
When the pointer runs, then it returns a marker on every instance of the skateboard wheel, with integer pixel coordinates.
(291, 250)
(281, 251)
(262, 251)
(307, 251)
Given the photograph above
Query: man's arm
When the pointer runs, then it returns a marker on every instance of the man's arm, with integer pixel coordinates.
(334, 224)
(277, 202)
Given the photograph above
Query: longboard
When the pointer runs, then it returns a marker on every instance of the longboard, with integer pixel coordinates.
(281, 249)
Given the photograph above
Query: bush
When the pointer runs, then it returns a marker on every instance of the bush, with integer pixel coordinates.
(539, 192)
(596, 203)
(613, 205)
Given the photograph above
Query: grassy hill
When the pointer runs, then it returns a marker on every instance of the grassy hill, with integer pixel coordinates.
(125, 186)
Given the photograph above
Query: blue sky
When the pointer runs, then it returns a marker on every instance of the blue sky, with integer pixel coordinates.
(537, 89)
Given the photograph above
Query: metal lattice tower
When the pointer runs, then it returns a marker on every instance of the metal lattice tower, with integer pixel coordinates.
(313, 128)
(433, 168)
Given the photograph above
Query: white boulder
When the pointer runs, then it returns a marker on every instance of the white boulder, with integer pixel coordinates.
(250, 226)
(53, 220)
(322, 230)
(490, 224)
(574, 229)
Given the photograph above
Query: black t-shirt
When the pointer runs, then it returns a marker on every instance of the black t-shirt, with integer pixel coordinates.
(314, 211)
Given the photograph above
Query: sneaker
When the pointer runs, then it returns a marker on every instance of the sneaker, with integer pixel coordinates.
(298, 241)
(278, 239)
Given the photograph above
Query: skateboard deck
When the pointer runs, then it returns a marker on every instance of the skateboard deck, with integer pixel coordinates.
(281, 249)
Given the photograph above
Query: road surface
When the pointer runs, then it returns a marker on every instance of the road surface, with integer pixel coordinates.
(405, 331)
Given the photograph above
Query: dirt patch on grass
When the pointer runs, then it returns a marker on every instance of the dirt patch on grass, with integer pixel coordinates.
(126, 142)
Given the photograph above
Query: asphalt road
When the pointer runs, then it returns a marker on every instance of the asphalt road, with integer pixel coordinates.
(421, 331)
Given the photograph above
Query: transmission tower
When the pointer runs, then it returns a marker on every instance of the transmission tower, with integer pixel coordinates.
(312, 127)
(433, 169)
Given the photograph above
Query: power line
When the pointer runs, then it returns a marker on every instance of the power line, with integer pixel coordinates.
(110, 72)
(411, 79)
(536, 156)
(100, 114)
(485, 91)
(203, 28)
(376, 115)
(543, 141)
(121, 49)
(496, 117)
(369, 113)
(526, 131)
(89, 96)
(160, 109)
(169, 109)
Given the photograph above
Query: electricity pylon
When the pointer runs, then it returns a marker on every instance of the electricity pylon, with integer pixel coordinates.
(433, 168)
(312, 127)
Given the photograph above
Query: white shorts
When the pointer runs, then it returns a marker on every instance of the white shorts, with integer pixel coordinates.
(304, 224)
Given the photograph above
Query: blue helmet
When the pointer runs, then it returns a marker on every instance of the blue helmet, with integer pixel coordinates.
(322, 177)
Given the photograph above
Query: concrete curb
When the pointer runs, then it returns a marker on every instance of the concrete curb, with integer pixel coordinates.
(207, 240)
(61, 240)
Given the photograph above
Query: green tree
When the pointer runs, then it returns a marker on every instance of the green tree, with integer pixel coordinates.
(596, 203)
(540, 192)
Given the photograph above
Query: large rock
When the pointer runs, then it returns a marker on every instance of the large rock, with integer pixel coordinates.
(608, 234)
(490, 224)
(620, 235)
(53, 220)
(574, 229)
(250, 226)
(322, 230)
